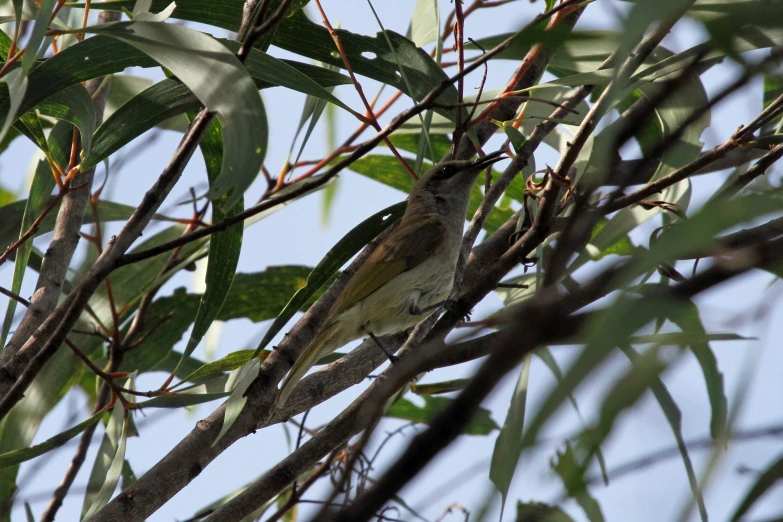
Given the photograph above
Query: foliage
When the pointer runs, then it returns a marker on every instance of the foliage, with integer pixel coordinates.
(608, 251)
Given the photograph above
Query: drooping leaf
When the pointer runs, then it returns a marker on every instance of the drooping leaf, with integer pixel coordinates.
(192, 56)
(238, 382)
(327, 268)
(508, 445)
(224, 246)
(674, 418)
(765, 482)
(23, 454)
(256, 296)
(368, 56)
(689, 320)
(107, 468)
(568, 469)
(482, 423)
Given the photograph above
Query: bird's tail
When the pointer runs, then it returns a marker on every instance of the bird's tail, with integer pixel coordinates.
(317, 349)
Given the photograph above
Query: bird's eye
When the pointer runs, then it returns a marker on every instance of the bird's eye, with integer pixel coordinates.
(445, 172)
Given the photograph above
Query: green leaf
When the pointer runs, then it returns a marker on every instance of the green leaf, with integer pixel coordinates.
(326, 269)
(508, 447)
(182, 399)
(545, 355)
(192, 56)
(482, 423)
(107, 469)
(570, 472)
(622, 247)
(23, 454)
(440, 144)
(238, 382)
(368, 56)
(169, 98)
(224, 246)
(19, 428)
(437, 388)
(226, 14)
(73, 104)
(16, 79)
(540, 512)
(674, 418)
(773, 88)
(40, 190)
(765, 481)
(612, 327)
(258, 296)
(11, 214)
(230, 362)
(425, 22)
(689, 320)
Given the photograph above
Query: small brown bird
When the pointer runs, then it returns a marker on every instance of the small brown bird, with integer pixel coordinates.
(409, 275)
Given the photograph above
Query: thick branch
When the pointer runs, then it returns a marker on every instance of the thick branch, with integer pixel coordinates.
(450, 422)
(193, 453)
(57, 258)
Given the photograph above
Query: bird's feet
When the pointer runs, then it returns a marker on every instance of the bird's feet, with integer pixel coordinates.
(450, 305)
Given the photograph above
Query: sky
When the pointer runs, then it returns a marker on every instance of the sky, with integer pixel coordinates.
(298, 234)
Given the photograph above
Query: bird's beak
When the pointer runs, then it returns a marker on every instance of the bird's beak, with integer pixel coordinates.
(489, 159)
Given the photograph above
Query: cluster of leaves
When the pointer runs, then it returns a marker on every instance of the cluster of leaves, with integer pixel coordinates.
(44, 99)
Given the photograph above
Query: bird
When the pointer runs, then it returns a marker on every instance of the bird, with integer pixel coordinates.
(411, 272)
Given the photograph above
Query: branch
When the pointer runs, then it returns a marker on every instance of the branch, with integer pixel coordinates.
(426, 103)
(185, 461)
(546, 317)
(17, 372)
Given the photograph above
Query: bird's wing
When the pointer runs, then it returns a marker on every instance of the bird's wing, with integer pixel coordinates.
(408, 246)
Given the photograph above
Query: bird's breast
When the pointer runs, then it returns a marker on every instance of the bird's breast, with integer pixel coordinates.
(388, 309)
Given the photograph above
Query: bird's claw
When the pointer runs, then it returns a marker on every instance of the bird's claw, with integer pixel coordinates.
(450, 305)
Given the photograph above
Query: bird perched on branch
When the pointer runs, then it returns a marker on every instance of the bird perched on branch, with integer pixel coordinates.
(411, 272)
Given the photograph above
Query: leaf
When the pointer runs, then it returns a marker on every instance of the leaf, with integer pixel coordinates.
(425, 22)
(192, 56)
(674, 418)
(437, 388)
(169, 98)
(440, 144)
(17, 78)
(73, 104)
(220, 13)
(545, 355)
(19, 428)
(224, 246)
(765, 481)
(40, 190)
(369, 57)
(689, 321)
(338, 255)
(612, 327)
(508, 447)
(182, 399)
(11, 214)
(238, 382)
(540, 512)
(24, 454)
(107, 469)
(258, 296)
(622, 247)
(569, 471)
(482, 423)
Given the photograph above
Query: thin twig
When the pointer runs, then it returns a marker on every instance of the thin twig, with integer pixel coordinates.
(368, 108)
